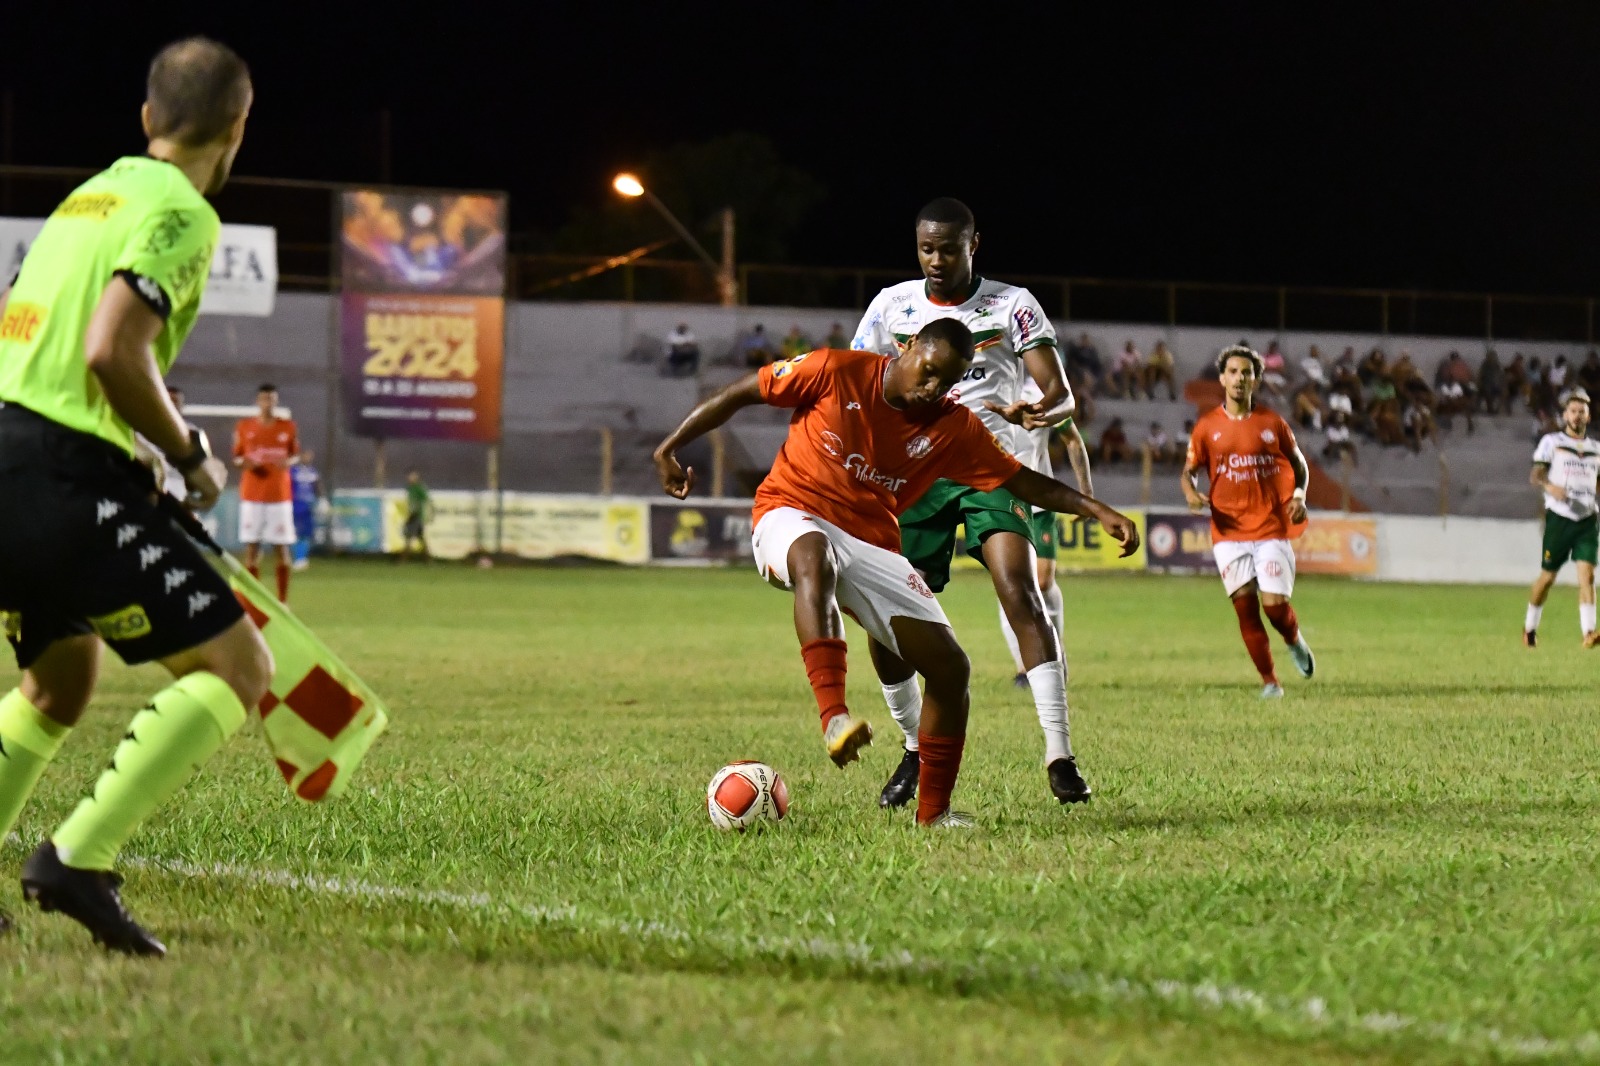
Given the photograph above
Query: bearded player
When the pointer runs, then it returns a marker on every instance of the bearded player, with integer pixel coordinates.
(103, 303)
(1258, 484)
(1565, 466)
(264, 448)
(1013, 341)
(869, 435)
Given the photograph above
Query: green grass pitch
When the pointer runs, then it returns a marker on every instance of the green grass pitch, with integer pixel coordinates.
(1396, 863)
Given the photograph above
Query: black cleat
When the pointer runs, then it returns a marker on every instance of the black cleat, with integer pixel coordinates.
(1066, 783)
(902, 786)
(1530, 638)
(88, 897)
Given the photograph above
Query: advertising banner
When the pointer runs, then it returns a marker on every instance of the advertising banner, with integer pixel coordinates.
(549, 527)
(1338, 545)
(422, 320)
(458, 523)
(244, 267)
(422, 366)
(700, 533)
(1079, 546)
(1179, 542)
(357, 521)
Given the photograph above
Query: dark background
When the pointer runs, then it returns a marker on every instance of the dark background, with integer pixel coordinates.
(1426, 145)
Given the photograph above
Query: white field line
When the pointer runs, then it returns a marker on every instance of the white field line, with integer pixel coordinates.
(1312, 1014)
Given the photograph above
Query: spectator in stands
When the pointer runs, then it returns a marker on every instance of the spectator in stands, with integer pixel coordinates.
(1161, 366)
(1113, 446)
(755, 348)
(837, 337)
(1127, 372)
(1338, 439)
(1516, 382)
(1557, 375)
(796, 343)
(1084, 357)
(1492, 384)
(1403, 371)
(1312, 369)
(1589, 373)
(1347, 361)
(1541, 398)
(1454, 399)
(1383, 409)
(1418, 422)
(1306, 405)
(683, 352)
(1158, 446)
(1275, 370)
(1374, 366)
(1340, 405)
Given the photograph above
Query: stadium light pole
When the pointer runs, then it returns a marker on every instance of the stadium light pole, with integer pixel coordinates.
(727, 286)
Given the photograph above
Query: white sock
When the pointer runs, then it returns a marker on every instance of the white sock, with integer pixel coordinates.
(1586, 616)
(905, 703)
(1011, 640)
(1058, 612)
(1531, 623)
(1049, 684)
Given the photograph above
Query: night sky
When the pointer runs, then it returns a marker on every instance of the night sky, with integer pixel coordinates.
(1428, 145)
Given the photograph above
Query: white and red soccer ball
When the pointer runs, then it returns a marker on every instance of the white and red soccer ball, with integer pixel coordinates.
(744, 794)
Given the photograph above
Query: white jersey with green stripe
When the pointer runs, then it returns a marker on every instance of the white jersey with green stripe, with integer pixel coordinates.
(1005, 320)
(1574, 464)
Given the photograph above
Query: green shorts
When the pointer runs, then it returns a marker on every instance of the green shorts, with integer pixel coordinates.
(1564, 538)
(928, 528)
(1046, 533)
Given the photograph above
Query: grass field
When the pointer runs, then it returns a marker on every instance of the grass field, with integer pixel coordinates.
(1397, 863)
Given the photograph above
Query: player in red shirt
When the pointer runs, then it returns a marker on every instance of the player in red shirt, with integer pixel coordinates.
(869, 435)
(265, 447)
(1258, 484)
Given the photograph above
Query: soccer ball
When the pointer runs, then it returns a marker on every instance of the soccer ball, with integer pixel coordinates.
(743, 794)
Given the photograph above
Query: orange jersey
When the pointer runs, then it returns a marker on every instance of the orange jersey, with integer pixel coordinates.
(265, 447)
(853, 460)
(1247, 462)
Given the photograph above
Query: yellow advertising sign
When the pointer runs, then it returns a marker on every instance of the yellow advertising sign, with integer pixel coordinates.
(1082, 546)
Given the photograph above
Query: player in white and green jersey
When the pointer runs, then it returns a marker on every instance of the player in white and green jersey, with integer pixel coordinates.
(104, 300)
(1014, 341)
(1566, 466)
(1047, 524)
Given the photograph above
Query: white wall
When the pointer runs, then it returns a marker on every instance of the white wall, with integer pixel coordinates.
(1472, 551)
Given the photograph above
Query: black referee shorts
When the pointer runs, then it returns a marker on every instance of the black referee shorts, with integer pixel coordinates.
(84, 549)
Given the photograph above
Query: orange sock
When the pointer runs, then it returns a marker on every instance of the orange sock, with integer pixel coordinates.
(255, 571)
(1248, 608)
(283, 583)
(936, 777)
(825, 669)
(1282, 617)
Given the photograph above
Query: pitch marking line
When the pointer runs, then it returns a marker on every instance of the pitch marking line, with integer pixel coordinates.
(1313, 1013)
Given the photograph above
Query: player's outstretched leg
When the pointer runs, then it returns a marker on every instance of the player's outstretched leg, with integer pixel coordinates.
(814, 574)
(183, 726)
(904, 696)
(37, 716)
(1009, 557)
(1247, 605)
(1280, 612)
(931, 649)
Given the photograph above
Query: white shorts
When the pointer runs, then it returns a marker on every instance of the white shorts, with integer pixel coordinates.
(874, 585)
(266, 523)
(1269, 563)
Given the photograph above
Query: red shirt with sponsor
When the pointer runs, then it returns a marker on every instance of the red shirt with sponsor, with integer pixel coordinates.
(854, 460)
(267, 446)
(1247, 462)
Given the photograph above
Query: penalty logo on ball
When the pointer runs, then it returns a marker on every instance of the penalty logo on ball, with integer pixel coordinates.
(745, 794)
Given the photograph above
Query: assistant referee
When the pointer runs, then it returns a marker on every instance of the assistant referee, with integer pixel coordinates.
(97, 314)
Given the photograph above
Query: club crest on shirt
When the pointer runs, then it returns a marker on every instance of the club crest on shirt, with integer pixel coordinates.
(1215, 437)
(786, 367)
(833, 444)
(1268, 437)
(915, 583)
(917, 447)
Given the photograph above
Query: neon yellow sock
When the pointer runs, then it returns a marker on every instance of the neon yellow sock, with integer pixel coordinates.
(28, 741)
(165, 745)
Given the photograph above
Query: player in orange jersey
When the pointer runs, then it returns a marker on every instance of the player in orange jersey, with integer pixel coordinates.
(1258, 504)
(869, 435)
(264, 447)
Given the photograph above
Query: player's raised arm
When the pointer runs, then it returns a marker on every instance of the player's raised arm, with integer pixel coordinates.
(1033, 487)
(117, 349)
(706, 416)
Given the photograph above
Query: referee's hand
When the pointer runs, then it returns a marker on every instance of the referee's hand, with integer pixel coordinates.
(205, 483)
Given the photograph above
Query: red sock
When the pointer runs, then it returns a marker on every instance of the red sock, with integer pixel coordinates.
(1281, 615)
(825, 669)
(1248, 608)
(255, 571)
(936, 776)
(283, 583)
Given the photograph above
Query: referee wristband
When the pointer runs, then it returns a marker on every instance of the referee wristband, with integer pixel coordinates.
(198, 453)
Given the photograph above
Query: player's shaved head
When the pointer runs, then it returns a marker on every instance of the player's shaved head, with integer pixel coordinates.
(952, 333)
(196, 93)
(930, 366)
(948, 211)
